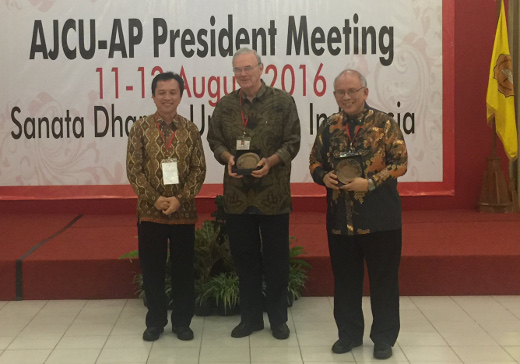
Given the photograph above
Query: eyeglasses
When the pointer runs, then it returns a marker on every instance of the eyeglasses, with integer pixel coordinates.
(351, 92)
(246, 69)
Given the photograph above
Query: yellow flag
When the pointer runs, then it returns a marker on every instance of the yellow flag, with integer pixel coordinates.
(500, 97)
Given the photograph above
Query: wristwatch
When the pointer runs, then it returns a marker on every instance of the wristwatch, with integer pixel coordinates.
(371, 185)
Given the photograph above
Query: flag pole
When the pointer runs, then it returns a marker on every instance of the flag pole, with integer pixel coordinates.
(514, 167)
(495, 196)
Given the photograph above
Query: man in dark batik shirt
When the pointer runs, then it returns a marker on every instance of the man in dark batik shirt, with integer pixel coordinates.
(264, 119)
(358, 155)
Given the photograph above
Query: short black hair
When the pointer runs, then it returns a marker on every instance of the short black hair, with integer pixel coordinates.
(165, 77)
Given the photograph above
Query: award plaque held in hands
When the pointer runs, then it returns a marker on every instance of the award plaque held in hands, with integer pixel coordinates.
(348, 167)
(246, 162)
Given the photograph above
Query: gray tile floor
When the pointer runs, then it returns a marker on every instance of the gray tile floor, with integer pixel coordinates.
(460, 329)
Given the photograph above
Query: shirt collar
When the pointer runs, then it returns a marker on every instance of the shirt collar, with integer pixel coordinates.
(174, 125)
(261, 92)
(356, 119)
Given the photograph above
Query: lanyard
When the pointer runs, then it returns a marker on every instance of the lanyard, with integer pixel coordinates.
(169, 144)
(350, 138)
(246, 121)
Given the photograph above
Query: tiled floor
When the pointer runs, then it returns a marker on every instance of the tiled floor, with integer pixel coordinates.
(434, 330)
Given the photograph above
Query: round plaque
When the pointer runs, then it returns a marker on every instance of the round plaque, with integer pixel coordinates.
(348, 169)
(248, 161)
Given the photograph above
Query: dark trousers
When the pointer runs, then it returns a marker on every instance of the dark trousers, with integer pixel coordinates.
(154, 242)
(382, 253)
(260, 249)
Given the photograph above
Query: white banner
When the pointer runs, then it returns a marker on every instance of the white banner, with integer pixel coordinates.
(76, 75)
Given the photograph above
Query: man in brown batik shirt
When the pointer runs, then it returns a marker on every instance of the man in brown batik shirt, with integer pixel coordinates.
(166, 168)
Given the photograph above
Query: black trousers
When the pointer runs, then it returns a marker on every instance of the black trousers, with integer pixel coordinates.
(155, 240)
(260, 249)
(382, 253)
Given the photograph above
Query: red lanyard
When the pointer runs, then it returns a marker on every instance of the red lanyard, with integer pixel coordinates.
(169, 144)
(246, 121)
(351, 139)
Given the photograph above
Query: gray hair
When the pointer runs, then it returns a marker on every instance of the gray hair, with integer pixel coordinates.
(246, 51)
(357, 73)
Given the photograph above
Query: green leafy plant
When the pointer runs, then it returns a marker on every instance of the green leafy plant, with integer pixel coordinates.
(138, 279)
(224, 289)
(298, 269)
(134, 254)
(216, 280)
(212, 254)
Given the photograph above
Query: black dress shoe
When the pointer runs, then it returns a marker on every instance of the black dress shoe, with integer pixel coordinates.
(152, 333)
(280, 332)
(244, 329)
(183, 332)
(382, 351)
(344, 345)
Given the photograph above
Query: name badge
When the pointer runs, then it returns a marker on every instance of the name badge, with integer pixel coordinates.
(244, 143)
(348, 154)
(170, 171)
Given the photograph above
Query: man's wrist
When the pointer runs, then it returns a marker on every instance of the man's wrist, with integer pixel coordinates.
(371, 185)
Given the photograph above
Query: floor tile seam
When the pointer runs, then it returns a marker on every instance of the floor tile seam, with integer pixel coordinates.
(434, 327)
(65, 331)
(75, 316)
(290, 314)
(505, 307)
(32, 318)
(48, 356)
(112, 330)
(250, 351)
(201, 339)
(479, 325)
(475, 321)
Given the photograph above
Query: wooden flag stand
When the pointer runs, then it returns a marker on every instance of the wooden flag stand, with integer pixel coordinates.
(495, 197)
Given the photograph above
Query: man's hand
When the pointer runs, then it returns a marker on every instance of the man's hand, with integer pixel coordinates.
(226, 156)
(264, 163)
(173, 205)
(331, 181)
(358, 184)
(162, 203)
(230, 164)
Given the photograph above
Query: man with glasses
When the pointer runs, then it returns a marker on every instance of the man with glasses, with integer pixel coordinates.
(262, 119)
(358, 155)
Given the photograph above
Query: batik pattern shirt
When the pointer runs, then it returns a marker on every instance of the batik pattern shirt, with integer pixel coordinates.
(274, 128)
(378, 139)
(147, 148)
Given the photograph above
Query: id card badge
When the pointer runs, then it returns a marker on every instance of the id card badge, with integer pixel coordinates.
(170, 171)
(244, 143)
(348, 154)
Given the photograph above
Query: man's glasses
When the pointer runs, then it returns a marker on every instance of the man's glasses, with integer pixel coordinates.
(351, 92)
(246, 69)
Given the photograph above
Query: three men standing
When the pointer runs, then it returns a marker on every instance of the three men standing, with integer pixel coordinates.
(358, 155)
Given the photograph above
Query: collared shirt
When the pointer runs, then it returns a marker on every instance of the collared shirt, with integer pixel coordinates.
(147, 148)
(384, 157)
(274, 128)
